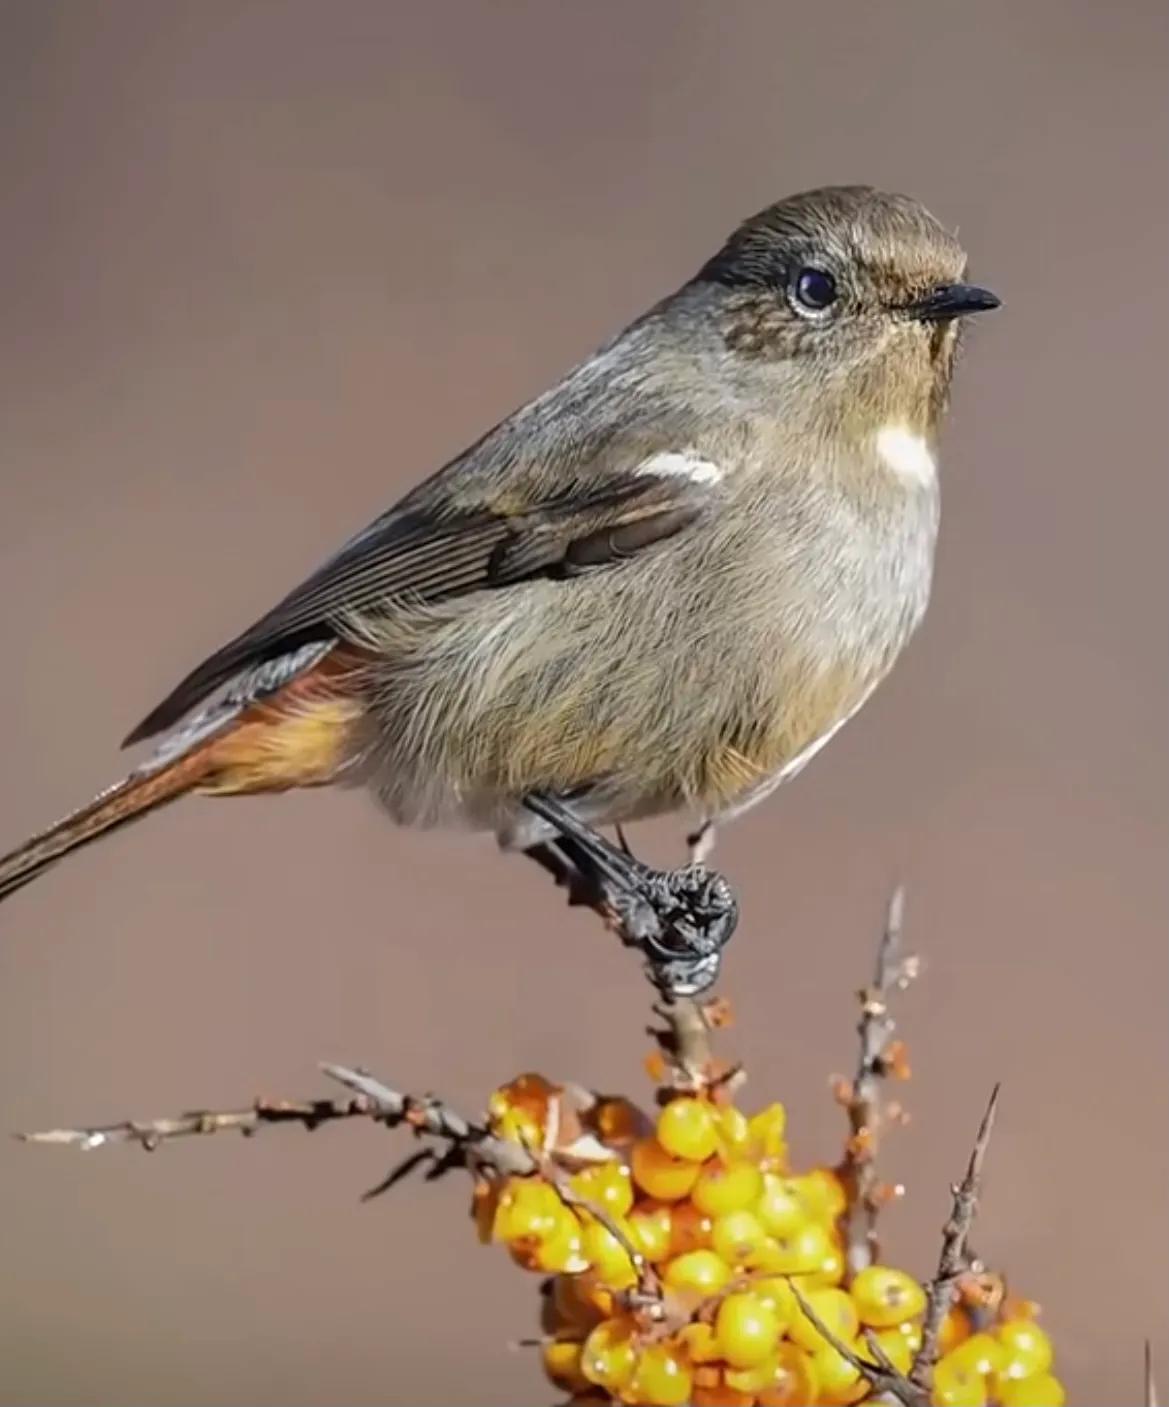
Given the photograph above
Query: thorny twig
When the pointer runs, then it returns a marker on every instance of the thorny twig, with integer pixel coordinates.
(879, 1057)
(954, 1260)
(913, 1390)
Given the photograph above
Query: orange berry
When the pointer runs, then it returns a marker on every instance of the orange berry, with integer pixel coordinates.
(795, 1383)
(690, 1229)
(660, 1174)
(606, 1185)
(571, 1306)
(609, 1355)
(737, 1236)
(697, 1272)
(562, 1365)
(747, 1329)
(1026, 1349)
(727, 1187)
(836, 1310)
(618, 1122)
(719, 1395)
(651, 1230)
(955, 1330)
(1039, 1390)
(687, 1128)
(662, 1377)
(884, 1296)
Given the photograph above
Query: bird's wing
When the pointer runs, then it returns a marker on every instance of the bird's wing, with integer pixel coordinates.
(515, 519)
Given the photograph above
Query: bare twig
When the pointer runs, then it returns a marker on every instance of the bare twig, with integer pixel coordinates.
(954, 1260)
(862, 1099)
(467, 1143)
(1150, 1384)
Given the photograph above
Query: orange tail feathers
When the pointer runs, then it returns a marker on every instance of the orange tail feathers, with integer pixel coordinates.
(300, 736)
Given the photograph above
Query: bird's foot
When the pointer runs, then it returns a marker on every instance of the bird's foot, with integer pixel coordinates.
(680, 920)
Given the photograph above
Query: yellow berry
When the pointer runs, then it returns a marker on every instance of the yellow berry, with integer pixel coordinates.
(562, 1365)
(958, 1383)
(527, 1208)
(747, 1329)
(839, 1382)
(697, 1272)
(609, 1355)
(824, 1193)
(651, 1230)
(560, 1249)
(608, 1257)
(1039, 1390)
(661, 1378)
(1026, 1349)
(737, 1236)
(734, 1132)
(687, 1128)
(910, 1331)
(884, 1296)
(767, 1130)
(727, 1187)
(756, 1379)
(659, 1174)
(837, 1312)
(795, 1382)
(981, 1353)
(776, 1291)
(804, 1251)
(605, 1185)
(898, 1348)
(780, 1207)
(698, 1339)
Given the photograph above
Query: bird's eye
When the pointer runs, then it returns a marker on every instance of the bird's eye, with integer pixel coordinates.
(815, 289)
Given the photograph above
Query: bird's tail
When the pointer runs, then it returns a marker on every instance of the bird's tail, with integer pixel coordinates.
(298, 736)
(135, 796)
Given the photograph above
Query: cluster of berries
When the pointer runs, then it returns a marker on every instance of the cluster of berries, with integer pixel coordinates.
(682, 1257)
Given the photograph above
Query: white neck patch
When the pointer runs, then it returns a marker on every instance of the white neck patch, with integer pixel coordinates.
(907, 454)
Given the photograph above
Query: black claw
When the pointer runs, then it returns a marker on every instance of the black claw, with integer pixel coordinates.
(680, 919)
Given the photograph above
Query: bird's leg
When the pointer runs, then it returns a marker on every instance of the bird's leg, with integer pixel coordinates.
(679, 919)
(701, 841)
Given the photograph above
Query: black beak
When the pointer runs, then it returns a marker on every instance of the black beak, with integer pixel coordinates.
(952, 300)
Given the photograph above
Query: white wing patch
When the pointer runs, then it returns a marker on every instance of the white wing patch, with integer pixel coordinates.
(907, 454)
(681, 464)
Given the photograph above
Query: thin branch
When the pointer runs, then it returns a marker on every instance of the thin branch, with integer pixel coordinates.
(862, 1098)
(371, 1099)
(954, 1260)
(150, 1133)
(1150, 1384)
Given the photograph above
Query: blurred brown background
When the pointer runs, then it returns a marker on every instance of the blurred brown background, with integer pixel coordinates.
(263, 265)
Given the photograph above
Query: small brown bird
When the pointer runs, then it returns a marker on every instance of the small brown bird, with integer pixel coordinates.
(663, 584)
